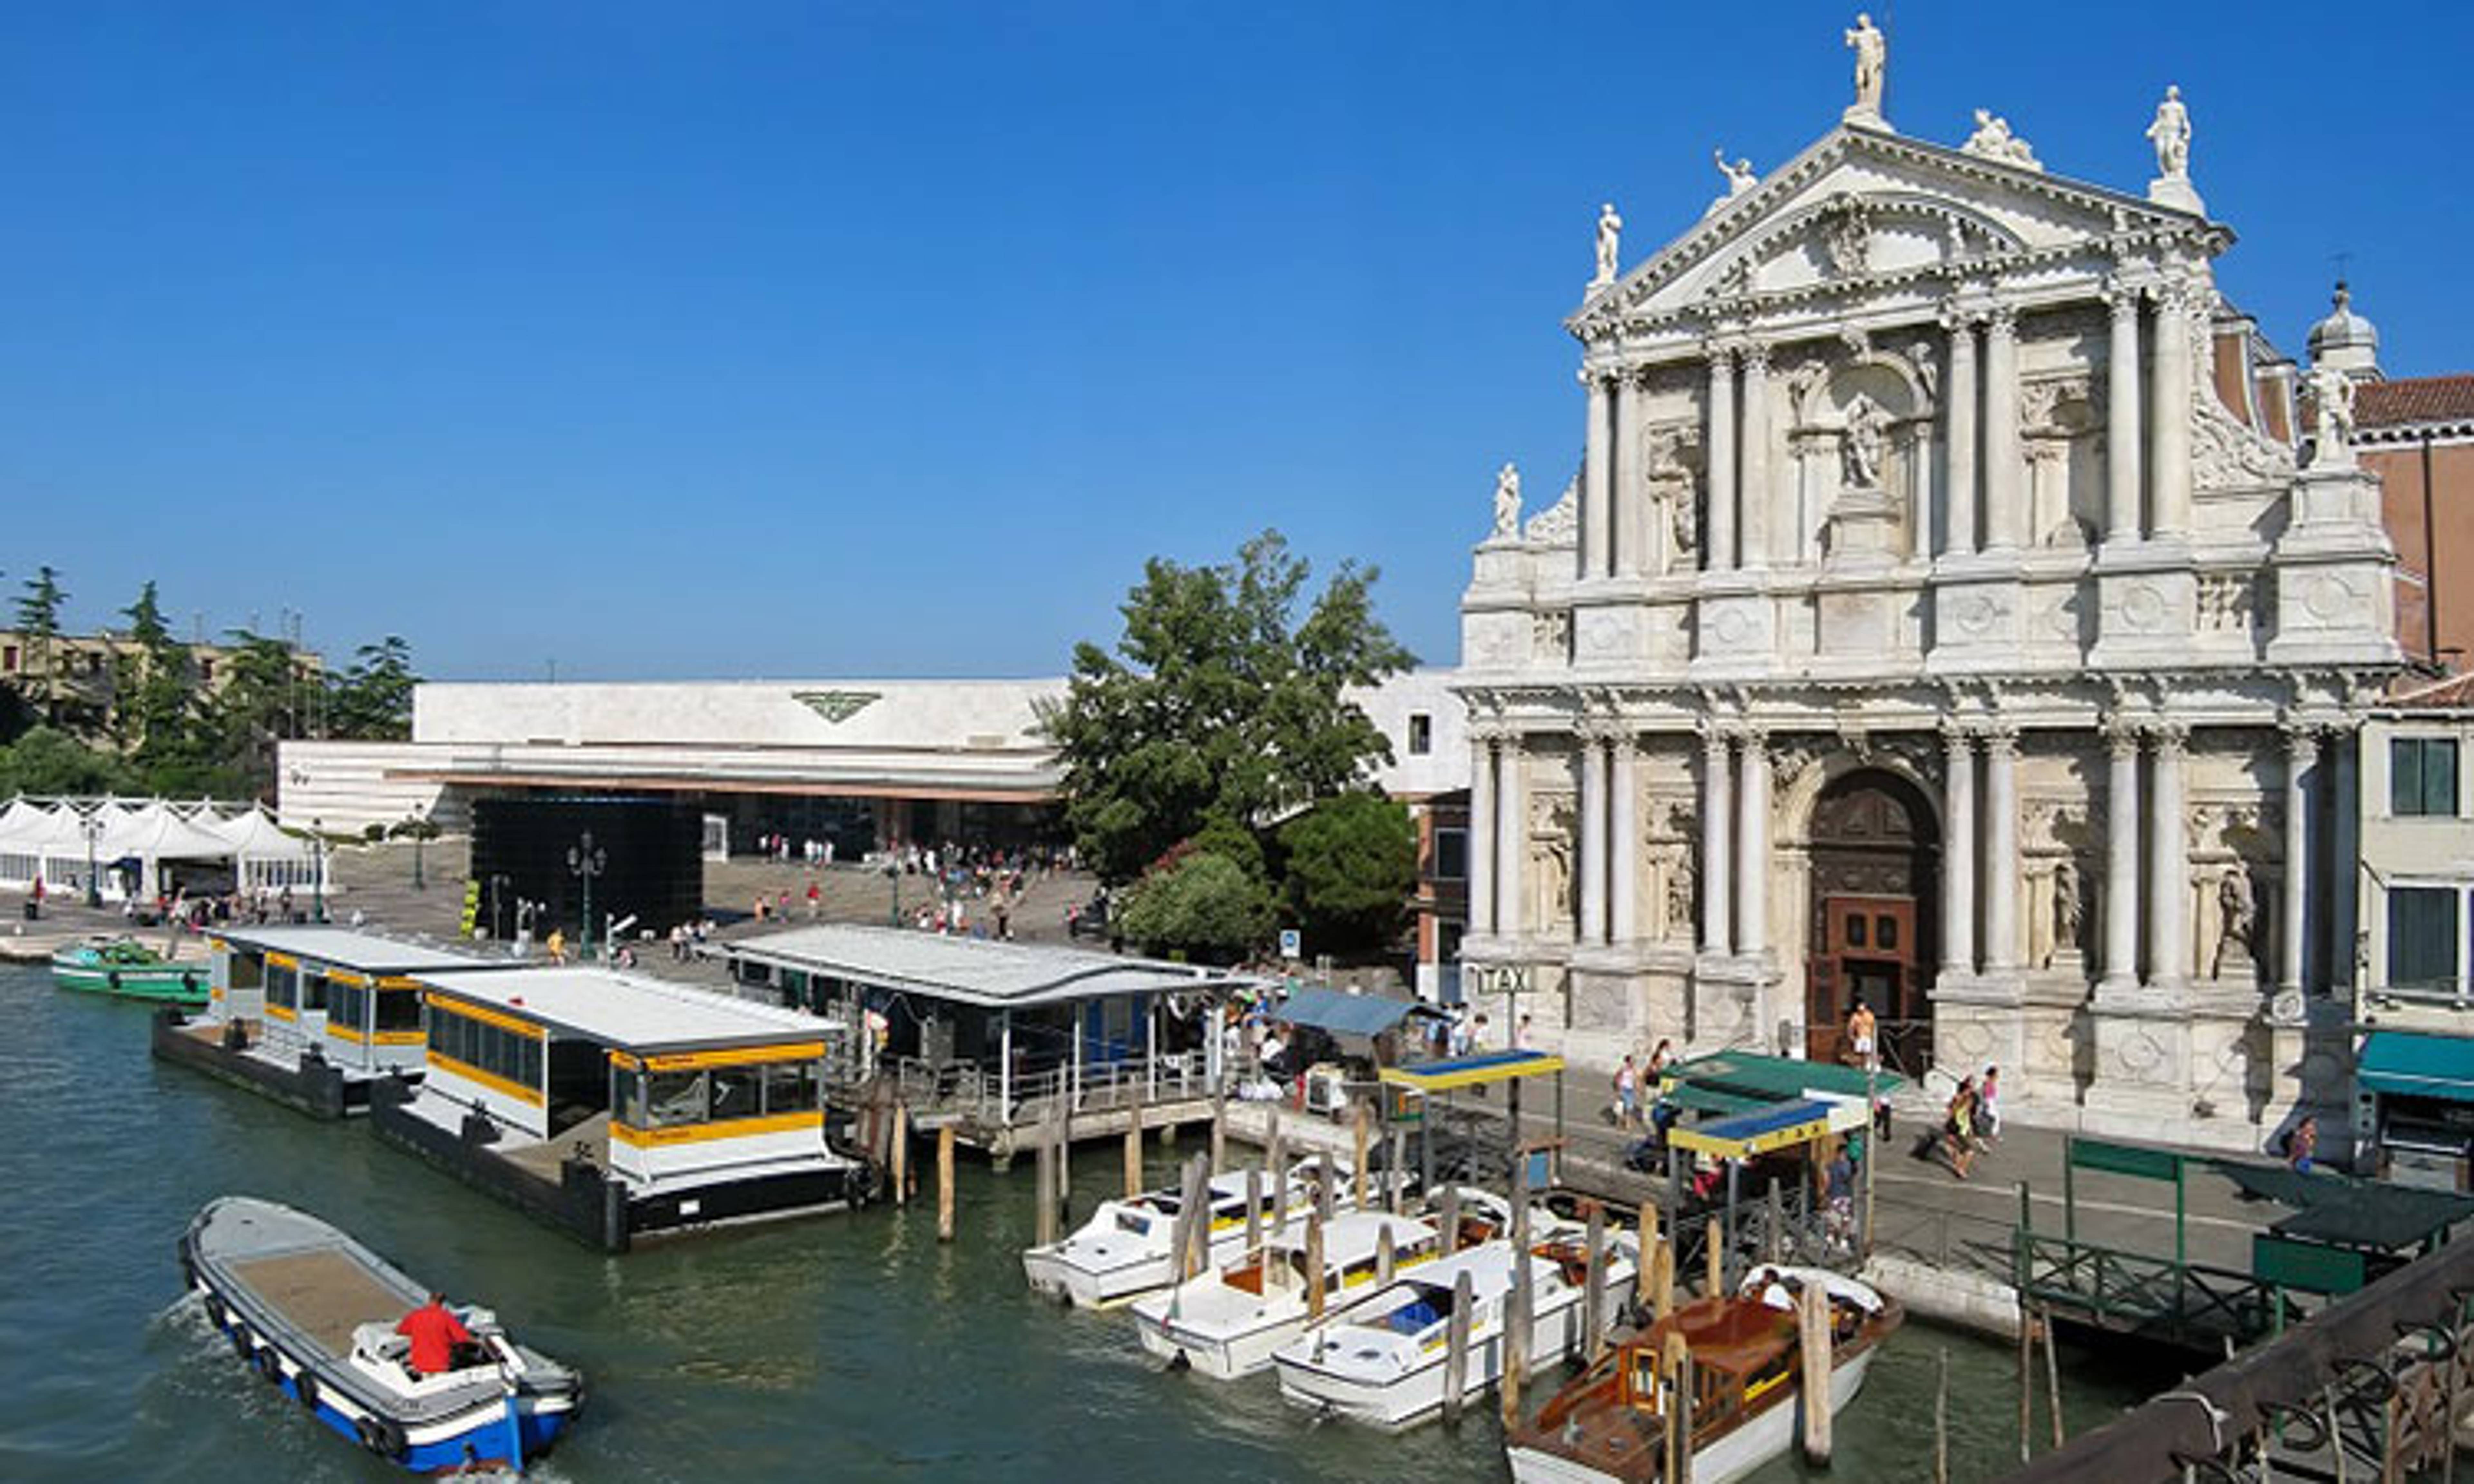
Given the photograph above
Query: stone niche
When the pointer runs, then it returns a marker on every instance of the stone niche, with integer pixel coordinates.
(1862, 444)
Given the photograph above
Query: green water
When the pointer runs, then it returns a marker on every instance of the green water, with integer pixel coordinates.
(850, 1348)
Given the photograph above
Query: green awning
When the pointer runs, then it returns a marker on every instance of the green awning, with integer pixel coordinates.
(2418, 1066)
(1775, 1079)
(1692, 1098)
(2345, 1210)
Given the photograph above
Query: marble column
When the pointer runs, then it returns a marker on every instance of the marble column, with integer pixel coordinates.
(1511, 839)
(2169, 417)
(2123, 514)
(2344, 867)
(2168, 867)
(1959, 857)
(1754, 529)
(1597, 467)
(1481, 837)
(1720, 538)
(1629, 521)
(2002, 879)
(1717, 828)
(2301, 750)
(1592, 852)
(2004, 512)
(1958, 440)
(2121, 905)
(1623, 840)
(1753, 849)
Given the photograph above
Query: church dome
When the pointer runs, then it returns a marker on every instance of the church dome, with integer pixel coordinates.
(2344, 340)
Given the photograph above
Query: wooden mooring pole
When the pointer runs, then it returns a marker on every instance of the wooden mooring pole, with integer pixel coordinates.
(900, 1155)
(1713, 1246)
(945, 1183)
(1219, 1133)
(1358, 1136)
(2053, 1386)
(1254, 1214)
(1941, 1422)
(1645, 1281)
(1456, 1343)
(1135, 1151)
(1594, 1290)
(1447, 1235)
(1043, 1223)
(1679, 1408)
(2027, 1377)
(1517, 1306)
(1279, 1167)
(1812, 1314)
(1314, 1277)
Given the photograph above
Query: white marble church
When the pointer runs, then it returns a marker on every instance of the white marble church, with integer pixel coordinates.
(1951, 614)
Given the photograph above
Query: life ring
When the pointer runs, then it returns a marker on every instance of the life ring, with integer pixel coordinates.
(305, 1386)
(270, 1365)
(380, 1435)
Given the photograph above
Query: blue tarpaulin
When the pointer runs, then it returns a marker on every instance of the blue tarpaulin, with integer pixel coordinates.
(1346, 1015)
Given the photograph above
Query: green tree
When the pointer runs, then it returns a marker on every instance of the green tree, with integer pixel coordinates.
(50, 762)
(1219, 703)
(1352, 864)
(258, 707)
(1199, 905)
(154, 690)
(38, 629)
(373, 700)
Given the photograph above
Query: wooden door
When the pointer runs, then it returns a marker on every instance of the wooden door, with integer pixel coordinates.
(1867, 952)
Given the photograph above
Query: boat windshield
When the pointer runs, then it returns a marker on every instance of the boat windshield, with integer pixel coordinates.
(1426, 1305)
(1133, 1223)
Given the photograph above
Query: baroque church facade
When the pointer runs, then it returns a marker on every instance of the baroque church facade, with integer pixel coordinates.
(1951, 614)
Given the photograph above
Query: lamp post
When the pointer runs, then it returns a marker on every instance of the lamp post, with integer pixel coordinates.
(318, 882)
(91, 826)
(420, 822)
(584, 861)
(497, 905)
(893, 878)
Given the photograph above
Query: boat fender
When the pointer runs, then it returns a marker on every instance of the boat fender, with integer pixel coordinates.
(380, 1435)
(271, 1366)
(216, 1314)
(188, 1274)
(189, 979)
(305, 1386)
(112, 979)
(241, 1346)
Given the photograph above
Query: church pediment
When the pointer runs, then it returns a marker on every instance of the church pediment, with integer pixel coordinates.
(1862, 211)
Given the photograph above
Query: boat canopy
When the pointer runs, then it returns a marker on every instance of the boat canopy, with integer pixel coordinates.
(1472, 1071)
(1776, 1079)
(1348, 1015)
(1777, 1126)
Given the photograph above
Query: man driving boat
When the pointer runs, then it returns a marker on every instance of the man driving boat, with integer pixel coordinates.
(439, 1339)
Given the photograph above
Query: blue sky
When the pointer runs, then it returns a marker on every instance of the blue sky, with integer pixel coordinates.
(889, 338)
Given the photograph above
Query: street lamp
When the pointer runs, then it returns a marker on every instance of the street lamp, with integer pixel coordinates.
(893, 875)
(318, 882)
(91, 826)
(499, 884)
(584, 861)
(420, 831)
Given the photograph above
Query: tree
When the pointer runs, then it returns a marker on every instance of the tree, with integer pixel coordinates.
(154, 692)
(1352, 865)
(256, 707)
(1218, 703)
(1199, 905)
(373, 700)
(38, 629)
(49, 761)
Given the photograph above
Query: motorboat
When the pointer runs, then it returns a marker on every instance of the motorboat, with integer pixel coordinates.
(1384, 1361)
(1123, 1250)
(315, 1312)
(1608, 1426)
(129, 968)
(1227, 1323)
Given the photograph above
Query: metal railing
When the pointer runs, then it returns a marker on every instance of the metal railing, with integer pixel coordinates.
(968, 1090)
(2184, 1302)
(1948, 1239)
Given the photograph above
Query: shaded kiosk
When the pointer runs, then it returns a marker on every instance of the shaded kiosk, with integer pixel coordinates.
(1001, 1038)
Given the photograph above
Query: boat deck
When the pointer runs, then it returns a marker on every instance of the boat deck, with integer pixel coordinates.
(543, 1158)
(325, 1293)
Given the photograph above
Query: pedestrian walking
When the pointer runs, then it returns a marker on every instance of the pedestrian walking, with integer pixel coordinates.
(2302, 1145)
(1627, 1092)
(1958, 1128)
(1988, 1096)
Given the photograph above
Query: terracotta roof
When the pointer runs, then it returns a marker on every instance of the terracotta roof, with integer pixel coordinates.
(2384, 404)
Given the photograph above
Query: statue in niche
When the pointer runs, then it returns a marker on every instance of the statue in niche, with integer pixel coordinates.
(1679, 898)
(1872, 60)
(1609, 242)
(1920, 355)
(1506, 501)
(1867, 437)
(2070, 907)
(2236, 917)
(1550, 859)
(2171, 134)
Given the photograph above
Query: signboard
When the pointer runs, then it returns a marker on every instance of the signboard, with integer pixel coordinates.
(1293, 944)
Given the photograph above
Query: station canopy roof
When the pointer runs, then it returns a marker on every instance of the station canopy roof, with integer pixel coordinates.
(1773, 1126)
(628, 1011)
(2344, 1211)
(976, 970)
(1773, 1079)
(346, 948)
(1348, 1014)
(1472, 1071)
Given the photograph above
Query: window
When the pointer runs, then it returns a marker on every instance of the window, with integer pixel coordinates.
(282, 985)
(2423, 777)
(674, 1099)
(1422, 733)
(343, 1005)
(737, 1093)
(790, 1087)
(2423, 937)
(206, 669)
(1451, 854)
(399, 1010)
(1885, 932)
(501, 1053)
(1855, 932)
(313, 991)
(628, 1096)
(248, 970)
(9, 658)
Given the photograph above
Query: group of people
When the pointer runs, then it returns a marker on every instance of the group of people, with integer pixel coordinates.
(1972, 1120)
(778, 848)
(1637, 1082)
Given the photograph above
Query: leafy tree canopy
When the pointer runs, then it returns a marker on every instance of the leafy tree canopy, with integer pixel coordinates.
(1352, 865)
(47, 761)
(1200, 906)
(1219, 703)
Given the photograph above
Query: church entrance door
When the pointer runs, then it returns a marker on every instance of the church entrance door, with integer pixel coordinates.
(1875, 862)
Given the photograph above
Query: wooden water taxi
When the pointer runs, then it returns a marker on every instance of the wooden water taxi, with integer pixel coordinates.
(315, 1313)
(127, 967)
(1746, 1401)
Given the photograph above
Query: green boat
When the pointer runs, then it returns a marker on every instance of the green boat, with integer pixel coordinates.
(127, 967)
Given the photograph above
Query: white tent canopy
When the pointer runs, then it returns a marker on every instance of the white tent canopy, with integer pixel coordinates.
(51, 843)
(265, 856)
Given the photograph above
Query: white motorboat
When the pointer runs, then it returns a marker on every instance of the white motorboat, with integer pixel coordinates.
(1608, 1426)
(1123, 1252)
(1228, 1322)
(1383, 1362)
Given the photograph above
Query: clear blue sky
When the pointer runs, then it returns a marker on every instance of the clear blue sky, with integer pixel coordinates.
(889, 338)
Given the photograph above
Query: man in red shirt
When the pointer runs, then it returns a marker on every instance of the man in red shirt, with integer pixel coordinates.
(434, 1333)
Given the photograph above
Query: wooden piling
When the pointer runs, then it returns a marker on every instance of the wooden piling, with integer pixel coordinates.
(1279, 1167)
(1385, 1260)
(1395, 1174)
(1643, 1280)
(1941, 1421)
(1447, 1235)
(900, 1155)
(1134, 1152)
(1714, 1246)
(1197, 1255)
(1314, 1268)
(2053, 1385)
(1812, 1314)
(1517, 1304)
(1219, 1133)
(2026, 1378)
(1254, 1214)
(1456, 1344)
(1679, 1412)
(1773, 1240)
(1358, 1136)
(1661, 1298)
(1043, 1224)
(1593, 1291)
(1327, 1190)
(1064, 1157)
(945, 1183)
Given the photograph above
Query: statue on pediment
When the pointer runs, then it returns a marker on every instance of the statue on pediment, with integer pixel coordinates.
(1994, 140)
(1867, 437)
(2332, 398)
(1740, 177)
(1872, 61)
(2170, 133)
(1506, 501)
(1610, 244)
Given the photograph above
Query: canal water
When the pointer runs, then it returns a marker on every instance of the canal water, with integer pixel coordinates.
(848, 1348)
